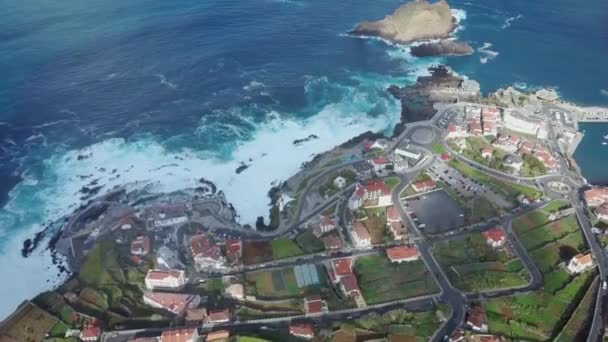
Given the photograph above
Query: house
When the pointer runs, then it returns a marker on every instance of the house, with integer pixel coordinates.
(596, 196)
(140, 245)
(210, 259)
(314, 305)
(602, 212)
(472, 112)
(404, 152)
(302, 330)
(180, 335)
(218, 316)
(494, 237)
(546, 159)
(326, 224)
(198, 244)
(90, 333)
(380, 163)
(392, 215)
(457, 336)
(169, 220)
(350, 286)
(508, 143)
(234, 250)
(360, 235)
(126, 223)
(475, 128)
(176, 303)
(332, 241)
(402, 254)
(235, 291)
(340, 182)
(477, 320)
(490, 113)
(219, 335)
(341, 267)
(487, 153)
(484, 338)
(456, 131)
(363, 168)
(196, 316)
(580, 263)
(169, 279)
(424, 185)
(373, 193)
(489, 128)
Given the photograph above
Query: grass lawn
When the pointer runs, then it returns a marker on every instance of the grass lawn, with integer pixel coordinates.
(549, 232)
(58, 330)
(391, 182)
(482, 209)
(438, 148)
(401, 325)
(577, 326)
(472, 265)
(285, 248)
(309, 242)
(382, 281)
(556, 280)
(276, 284)
(250, 339)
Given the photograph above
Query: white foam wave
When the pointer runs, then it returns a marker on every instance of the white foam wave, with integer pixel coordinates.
(164, 81)
(604, 92)
(510, 20)
(253, 85)
(461, 16)
(147, 162)
(489, 54)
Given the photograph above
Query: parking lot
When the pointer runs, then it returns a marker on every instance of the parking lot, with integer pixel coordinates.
(435, 212)
(445, 118)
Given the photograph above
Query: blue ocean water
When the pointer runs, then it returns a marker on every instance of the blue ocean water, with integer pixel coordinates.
(592, 152)
(168, 92)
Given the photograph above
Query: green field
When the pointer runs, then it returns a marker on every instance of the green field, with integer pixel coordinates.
(276, 284)
(285, 248)
(472, 265)
(309, 242)
(396, 325)
(438, 148)
(576, 327)
(382, 281)
(549, 232)
(391, 182)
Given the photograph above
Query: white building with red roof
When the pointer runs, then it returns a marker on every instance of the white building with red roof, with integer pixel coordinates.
(218, 316)
(487, 152)
(180, 335)
(456, 131)
(218, 335)
(361, 237)
(314, 305)
(350, 286)
(205, 255)
(494, 237)
(140, 245)
(596, 196)
(341, 267)
(546, 158)
(380, 163)
(424, 185)
(508, 143)
(475, 128)
(398, 230)
(402, 254)
(392, 215)
(332, 241)
(477, 319)
(580, 263)
(373, 193)
(302, 330)
(326, 224)
(90, 333)
(176, 303)
(165, 279)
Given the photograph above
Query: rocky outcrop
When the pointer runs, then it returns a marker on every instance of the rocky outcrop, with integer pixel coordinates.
(443, 47)
(413, 21)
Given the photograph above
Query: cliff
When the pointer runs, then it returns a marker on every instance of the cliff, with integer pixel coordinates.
(416, 20)
(443, 47)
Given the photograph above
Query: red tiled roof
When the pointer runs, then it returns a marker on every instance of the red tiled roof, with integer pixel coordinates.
(234, 248)
(360, 230)
(140, 244)
(495, 234)
(445, 156)
(376, 185)
(477, 316)
(392, 214)
(368, 145)
(380, 160)
(350, 284)
(160, 274)
(332, 241)
(217, 335)
(314, 304)
(214, 252)
(584, 259)
(174, 302)
(177, 334)
(596, 196)
(90, 331)
(424, 185)
(218, 315)
(401, 252)
(342, 267)
(327, 221)
(199, 244)
(301, 329)
(489, 338)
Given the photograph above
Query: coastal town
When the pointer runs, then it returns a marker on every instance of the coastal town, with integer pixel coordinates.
(471, 225)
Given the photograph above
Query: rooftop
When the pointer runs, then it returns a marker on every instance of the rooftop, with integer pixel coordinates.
(178, 334)
(401, 252)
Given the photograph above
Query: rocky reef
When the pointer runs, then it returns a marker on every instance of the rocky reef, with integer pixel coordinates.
(413, 21)
(443, 47)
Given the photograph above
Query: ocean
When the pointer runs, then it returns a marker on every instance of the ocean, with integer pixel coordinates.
(159, 94)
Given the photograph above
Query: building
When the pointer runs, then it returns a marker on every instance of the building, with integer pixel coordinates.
(380, 163)
(596, 196)
(170, 279)
(456, 131)
(474, 128)
(392, 215)
(517, 122)
(602, 212)
(167, 221)
(508, 143)
(126, 223)
(196, 316)
(513, 161)
(332, 242)
(477, 320)
(580, 263)
(457, 336)
(471, 112)
(140, 246)
(342, 267)
(546, 158)
(180, 335)
(362, 168)
(167, 259)
(90, 333)
(494, 237)
(218, 316)
(402, 254)
(374, 193)
(219, 335)
(210, 259)
(360, 235)
(489, 128)
(424, 185)
(234, 250)
(326, 224)
(350, 286)
(398, 230)
(340, 182)
(235, 291)
(380, 144)
(176, 303)
(314, 305)
(302, 330)
(487, 153)
(407, 153)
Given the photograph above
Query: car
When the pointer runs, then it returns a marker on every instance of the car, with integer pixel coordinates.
(422, 226)
(604, 285)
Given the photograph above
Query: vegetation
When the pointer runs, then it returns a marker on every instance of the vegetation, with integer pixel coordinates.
(276, 284)
(576, 327)
(309, 242)
(382, 281)
(438, 148)
(532, 167)
(472, 265)
(376, 224)
(329, 188)
(391, 182)
(285, 248)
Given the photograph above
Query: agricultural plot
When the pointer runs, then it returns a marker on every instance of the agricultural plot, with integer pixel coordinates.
(256, 252)
(382, 281)
(309, 242)
(550, 255)
(285, 248)
(472, 265)
(577, 326)
(276, 284)
(548, 232)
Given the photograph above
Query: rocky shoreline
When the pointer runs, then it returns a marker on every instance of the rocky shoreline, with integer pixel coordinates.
(442, 48)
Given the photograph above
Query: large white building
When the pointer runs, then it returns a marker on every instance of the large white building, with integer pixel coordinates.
(522, 124)
(407, 153)
(169, 279)
(165, 221)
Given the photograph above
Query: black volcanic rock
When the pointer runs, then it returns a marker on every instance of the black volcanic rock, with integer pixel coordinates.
(443, 47)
